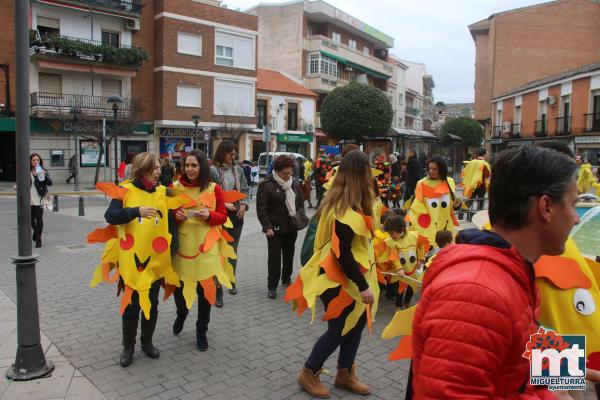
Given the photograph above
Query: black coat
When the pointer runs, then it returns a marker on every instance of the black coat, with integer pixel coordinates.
(42, 186)
(270, 205)
(412, 177)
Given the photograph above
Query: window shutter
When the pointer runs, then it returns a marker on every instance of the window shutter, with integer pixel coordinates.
(189, 44)
(50, 83)
(48, 22)
(111, 87)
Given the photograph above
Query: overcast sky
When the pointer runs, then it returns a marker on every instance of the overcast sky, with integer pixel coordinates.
(431, 31)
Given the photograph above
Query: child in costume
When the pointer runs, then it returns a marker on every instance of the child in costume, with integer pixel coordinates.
(396, 192)
(342, 273)
(137, 249)
(203, 254)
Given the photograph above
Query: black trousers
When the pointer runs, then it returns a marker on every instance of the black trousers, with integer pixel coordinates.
(281, 245)
(320, 192)
(332, 339)
(203, 307)
(479, 194)
(37, 222)
(133, 310)
(235, 232)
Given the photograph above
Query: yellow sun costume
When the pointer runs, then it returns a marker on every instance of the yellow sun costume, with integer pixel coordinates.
(585, 178)
(331, 176)
(431, 209)
(378, 210)
(203, 251)
(474, 175)
(569, 287)
(311, 283)
(138, 252)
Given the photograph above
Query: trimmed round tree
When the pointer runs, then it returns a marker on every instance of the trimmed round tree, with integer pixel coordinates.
(355, 111)
(468, 129)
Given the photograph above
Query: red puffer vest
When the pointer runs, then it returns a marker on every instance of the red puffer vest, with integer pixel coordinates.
(473, 322)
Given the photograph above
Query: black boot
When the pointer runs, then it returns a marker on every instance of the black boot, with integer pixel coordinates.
(129, 333)
(179, 321)
(201, 340)
(148, 326)
(219, 299)
(233, 289)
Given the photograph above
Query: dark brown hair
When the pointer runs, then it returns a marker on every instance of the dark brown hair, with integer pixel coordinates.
(443, 238)
(348, 148)
(225, 147)
(283, 161)
(38, 156)
(204, 175)
(395, 223)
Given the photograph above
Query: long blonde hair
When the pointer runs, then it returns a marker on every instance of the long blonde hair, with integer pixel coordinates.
(352, 186)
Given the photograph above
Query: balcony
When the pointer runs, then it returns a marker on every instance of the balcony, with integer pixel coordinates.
(322, 83)
(591, 122)
(125, 6)
(497, 131)
(540, 128)
(413, 111)
(45, 104)
(563, 126)
(85, 49)
(368, 64)
(516, 131)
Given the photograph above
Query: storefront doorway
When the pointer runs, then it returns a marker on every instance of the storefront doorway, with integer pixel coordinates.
(8, 165)
(132, 146)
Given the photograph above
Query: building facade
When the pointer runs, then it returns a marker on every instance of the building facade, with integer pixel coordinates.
(289, 110)
(563, 107)
(526, 44)
(322, 46)
(445, 111)
(419, 97)
(397, 92)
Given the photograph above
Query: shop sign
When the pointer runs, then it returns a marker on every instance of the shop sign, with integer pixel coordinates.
(587, 140)
(182, 132)
(90, 151)
(294, 138)
(493, 141)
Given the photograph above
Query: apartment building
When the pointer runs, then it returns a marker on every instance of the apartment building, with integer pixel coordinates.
(419, 97)
(397, 91)
(563, 107)
(445, 111)
(523, 45)
(322, 46)
(289, 110)
(204, 66)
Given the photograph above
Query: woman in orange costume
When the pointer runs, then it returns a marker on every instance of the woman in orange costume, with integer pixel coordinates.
(342, 273)
(203, 252)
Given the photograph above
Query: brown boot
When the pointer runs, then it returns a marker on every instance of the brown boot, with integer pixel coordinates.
(348, 380)
(310, 382)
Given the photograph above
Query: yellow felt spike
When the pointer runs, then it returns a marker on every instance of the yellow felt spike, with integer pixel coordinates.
(208, 199)
(403, 350)
(102, 235)
(126, 298)
(355, 221)
(171, 277)
(178, 201)
(324, 283)
(225, 275)
(231, 196)
(145, 305)
(401, 323)
(353, 317)
(189, 293)
(376, 172)
(98, 276)
(228, 223)
(111, 190)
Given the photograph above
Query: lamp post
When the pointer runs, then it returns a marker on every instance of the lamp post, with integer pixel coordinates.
(30, 362)
(196, 120)
(76, 111)
(115, 101)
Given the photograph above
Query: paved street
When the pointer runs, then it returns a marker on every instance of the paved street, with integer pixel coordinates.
(256, 345)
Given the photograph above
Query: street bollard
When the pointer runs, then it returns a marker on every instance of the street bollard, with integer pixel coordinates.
(55, 203)
(81, 210)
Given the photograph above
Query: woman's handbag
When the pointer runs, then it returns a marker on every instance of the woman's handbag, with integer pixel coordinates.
(300, 220)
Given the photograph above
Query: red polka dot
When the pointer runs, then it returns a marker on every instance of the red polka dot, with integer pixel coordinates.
(160, 244)
(128, 242)
(424, 220)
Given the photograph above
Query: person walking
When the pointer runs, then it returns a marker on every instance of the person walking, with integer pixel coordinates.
(278, 200)
(342, 273)
(196, 263)
(230, 176)
(72, 169)
(40, 180)
(412, 175)
(321, 172)
(476, 292)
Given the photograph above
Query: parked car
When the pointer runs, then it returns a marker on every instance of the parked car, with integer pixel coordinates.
(263, 163)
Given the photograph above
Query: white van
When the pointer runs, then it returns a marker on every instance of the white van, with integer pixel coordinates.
(263, 163)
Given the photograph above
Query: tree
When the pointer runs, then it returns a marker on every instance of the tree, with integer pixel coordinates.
(355, 111)
(469, 130)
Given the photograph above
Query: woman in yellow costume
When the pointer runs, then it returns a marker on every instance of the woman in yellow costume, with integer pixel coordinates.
(138, 240)
(342, 273)
(203, 251)
(431, 209)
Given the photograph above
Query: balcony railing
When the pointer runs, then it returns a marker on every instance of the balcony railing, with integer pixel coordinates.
(496, 131)
(563, 125)
(414, 111)
(44, 103)
(85, 49)
(516, 131)
(134, 6)
(591, 122)
(540, 128)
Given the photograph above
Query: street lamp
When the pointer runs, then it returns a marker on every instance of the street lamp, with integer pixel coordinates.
(76, 111)
(115, 101)
(196, 120)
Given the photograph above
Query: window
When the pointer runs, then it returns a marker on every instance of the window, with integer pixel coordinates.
(261, 113)
(48, 26)
(292, 117)
(319, 64)
(517, 115)
(400, 99)
(366, 51)
(352, 44)
(337, 37)
(234, 50)
(566, 106)
(189, 96)
(111, 87)
(234, 98)
(50, 83)
(111, 39)
(189, 44)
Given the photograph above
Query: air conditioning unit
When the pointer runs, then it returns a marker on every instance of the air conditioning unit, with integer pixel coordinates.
(309, 128)
(132, 24)
(551, 100)
(506, 127)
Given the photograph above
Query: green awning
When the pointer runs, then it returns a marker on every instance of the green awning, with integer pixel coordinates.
(7, 125)
(359, 67)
